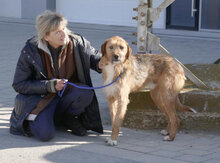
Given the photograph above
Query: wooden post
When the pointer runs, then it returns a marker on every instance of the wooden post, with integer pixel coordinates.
(142, 27)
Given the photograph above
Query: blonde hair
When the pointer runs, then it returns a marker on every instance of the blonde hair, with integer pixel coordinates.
(49, 21)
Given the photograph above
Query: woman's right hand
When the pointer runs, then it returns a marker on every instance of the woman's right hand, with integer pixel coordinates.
(60, 84)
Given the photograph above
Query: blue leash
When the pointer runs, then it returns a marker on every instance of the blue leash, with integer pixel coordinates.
(60, 93)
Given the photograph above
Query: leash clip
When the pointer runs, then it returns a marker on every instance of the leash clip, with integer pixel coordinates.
(122, 73)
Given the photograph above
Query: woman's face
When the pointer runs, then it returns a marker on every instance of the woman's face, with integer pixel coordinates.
(57, 37)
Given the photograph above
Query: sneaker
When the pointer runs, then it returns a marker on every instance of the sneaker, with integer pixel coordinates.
(73, 123)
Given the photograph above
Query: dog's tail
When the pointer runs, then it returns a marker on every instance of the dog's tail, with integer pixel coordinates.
(184, 108)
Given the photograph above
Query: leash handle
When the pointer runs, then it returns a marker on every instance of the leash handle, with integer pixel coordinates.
(60, 93)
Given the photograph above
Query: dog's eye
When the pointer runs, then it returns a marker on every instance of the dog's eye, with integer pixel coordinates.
(121, 47)
(110, 47)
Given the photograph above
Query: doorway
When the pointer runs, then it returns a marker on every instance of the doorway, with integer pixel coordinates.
(183, 14)
(201, 15)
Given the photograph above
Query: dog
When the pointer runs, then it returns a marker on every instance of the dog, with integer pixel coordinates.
(161, 74)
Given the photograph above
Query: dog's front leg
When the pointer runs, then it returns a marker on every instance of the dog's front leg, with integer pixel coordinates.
(112, 107)
(118, 119)
(113, 103)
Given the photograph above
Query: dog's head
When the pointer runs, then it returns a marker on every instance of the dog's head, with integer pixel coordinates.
(116, 50)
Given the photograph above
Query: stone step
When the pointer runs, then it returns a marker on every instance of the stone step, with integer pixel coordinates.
(143, 120)
(200, 100)
(142, 113)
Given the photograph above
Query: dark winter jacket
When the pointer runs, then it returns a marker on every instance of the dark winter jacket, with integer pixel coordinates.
(30, 82)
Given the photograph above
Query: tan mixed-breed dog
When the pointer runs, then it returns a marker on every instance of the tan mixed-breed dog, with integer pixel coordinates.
(160, 73)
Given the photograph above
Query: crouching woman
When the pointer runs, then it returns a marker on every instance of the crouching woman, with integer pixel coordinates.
(46, 59)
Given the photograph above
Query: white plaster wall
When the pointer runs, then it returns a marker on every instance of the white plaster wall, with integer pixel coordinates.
(161, 22)
(32, 8)
(10, 8)
(109, 12)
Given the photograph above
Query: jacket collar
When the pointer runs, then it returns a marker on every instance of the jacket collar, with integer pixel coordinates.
(43, 45)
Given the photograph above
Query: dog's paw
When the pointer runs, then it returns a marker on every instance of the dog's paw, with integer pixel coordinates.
(167, 138)
(110, 142)
(164, 132)
(192, 110)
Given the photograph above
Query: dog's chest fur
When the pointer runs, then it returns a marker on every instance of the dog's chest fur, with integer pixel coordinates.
(110, 74)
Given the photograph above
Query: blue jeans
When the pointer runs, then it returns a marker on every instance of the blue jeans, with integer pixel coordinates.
(73, 102)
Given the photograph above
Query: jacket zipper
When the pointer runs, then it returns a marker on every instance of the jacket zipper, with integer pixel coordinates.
(43, 75)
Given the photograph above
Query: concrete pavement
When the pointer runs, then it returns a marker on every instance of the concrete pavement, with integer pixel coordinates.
(133, 146)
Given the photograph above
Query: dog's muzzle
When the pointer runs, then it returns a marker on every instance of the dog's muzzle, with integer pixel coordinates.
(115, 58)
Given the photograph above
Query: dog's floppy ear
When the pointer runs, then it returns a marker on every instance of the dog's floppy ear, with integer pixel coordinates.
(129, 51)
(103, 48)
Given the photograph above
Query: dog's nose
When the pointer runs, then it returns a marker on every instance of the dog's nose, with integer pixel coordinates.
(116, 57)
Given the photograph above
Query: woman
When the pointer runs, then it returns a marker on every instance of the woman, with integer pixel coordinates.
(53, 55)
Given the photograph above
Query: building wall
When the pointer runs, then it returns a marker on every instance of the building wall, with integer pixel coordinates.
(161, 22)
(10, 8)
(110, 12)
(31, 8)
